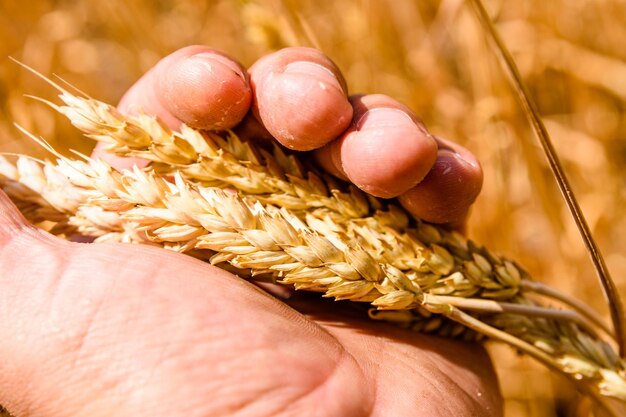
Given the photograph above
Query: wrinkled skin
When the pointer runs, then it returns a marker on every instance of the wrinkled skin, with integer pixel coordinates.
(118, 330)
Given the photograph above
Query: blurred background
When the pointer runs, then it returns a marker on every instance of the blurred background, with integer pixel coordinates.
(432, 55)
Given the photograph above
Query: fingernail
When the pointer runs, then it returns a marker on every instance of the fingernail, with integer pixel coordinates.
(207, 59)
(462, 154)
(325, 77)
(381, 117)
(468, 159)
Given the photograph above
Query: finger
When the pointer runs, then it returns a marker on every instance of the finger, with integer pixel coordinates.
(449, 189)
(300, 97)
(385, 152)
(196, 85)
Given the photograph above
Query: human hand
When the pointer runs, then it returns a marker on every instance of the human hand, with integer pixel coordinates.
(131, 330)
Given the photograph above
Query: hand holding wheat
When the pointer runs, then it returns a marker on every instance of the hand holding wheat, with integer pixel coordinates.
(118, 330)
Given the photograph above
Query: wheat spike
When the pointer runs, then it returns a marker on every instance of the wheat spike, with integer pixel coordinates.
(266, 217)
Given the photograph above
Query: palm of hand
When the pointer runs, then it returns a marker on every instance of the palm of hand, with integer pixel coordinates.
(135, 331)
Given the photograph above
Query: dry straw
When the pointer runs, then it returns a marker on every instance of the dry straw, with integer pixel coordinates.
(264, 215)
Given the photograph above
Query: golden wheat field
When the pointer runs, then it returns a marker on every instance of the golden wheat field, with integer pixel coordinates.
(432, 55)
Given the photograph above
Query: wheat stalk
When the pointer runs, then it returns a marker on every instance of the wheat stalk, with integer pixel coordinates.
(265, 216)
(611, 294)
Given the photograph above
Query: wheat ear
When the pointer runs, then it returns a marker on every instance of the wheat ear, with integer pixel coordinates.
(358, 249)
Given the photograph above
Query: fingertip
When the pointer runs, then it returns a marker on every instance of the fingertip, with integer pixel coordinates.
(204, 89)
(447, 192)
(300, 97)
(196, 85)
(387, 150)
